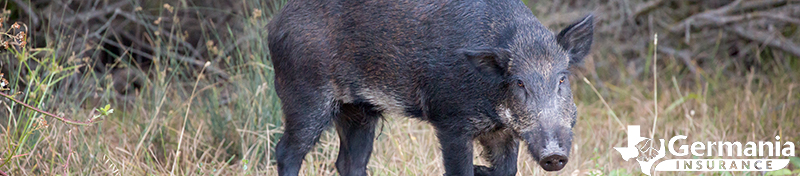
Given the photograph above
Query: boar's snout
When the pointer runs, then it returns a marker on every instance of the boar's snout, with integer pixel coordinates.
(550, 146)
(554, 162)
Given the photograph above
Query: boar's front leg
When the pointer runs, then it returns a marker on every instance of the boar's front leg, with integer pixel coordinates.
(501, 150)
(456, 149)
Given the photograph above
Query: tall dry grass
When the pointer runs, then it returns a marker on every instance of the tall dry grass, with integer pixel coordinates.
(230, 126)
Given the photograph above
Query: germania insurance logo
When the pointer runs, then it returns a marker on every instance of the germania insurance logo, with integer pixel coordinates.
(647, 155)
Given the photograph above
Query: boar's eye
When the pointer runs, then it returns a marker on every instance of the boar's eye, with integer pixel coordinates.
(520, 83)
(563, 78)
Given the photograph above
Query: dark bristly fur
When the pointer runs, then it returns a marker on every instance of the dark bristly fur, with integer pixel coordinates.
(474, 69)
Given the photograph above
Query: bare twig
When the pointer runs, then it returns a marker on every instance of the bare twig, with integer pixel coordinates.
(186, 117)
(179, 57)
(709, 14)
(108, 22)
(781, 17)
(718, 17)
(149, 126)
(747, 5)
(718, 20)
(655, 85)
(169, 35)
(603, 100)
(192, 60)
(765, 38)
(69, 155)
(93, 14)
(29, 11)
(684, 55)
(235, 45)
(647, 7)
(65, 120)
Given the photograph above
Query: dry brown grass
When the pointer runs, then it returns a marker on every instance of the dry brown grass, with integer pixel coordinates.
(232, 124)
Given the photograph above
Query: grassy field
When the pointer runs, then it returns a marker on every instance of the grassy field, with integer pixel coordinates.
(186, 119)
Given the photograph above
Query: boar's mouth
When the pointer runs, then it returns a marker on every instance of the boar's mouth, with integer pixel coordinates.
(548, 140)
(551, 153)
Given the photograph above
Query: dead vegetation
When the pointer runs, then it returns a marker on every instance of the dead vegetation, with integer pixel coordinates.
(727, 70)
(701, 34)
(108, 36)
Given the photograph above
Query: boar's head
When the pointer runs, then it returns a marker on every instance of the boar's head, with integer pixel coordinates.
(533, 92)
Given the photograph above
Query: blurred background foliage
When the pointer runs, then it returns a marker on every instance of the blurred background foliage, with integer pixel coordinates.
(145, 59)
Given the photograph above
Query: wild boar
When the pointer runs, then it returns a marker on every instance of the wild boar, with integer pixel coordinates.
(474, 69)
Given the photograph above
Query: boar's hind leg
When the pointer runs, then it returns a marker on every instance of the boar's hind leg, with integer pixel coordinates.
(356, 127)
(500, 149)
(307, 114)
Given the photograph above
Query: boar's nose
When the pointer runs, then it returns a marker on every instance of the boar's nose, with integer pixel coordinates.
(549, 145)
(553, 162)
(554, 157)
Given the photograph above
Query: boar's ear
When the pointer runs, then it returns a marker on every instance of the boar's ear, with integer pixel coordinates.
(489, 60)
(576, 39)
